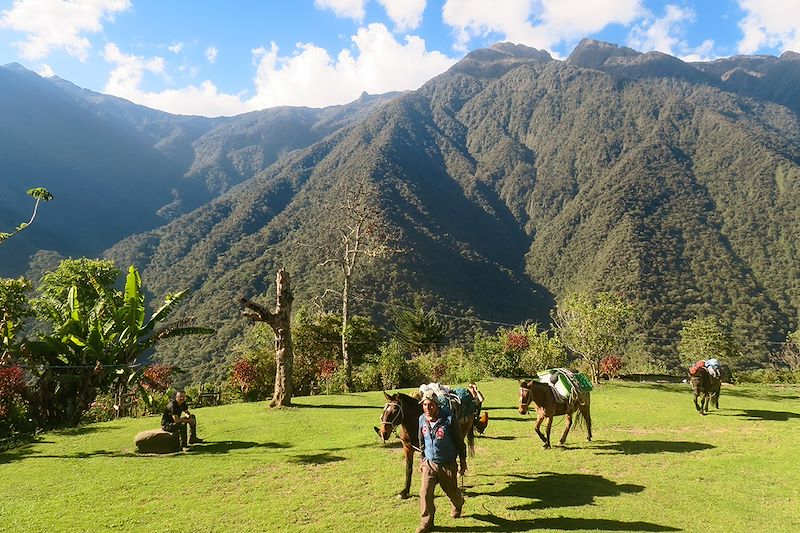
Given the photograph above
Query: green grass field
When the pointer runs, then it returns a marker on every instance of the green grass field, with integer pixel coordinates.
(655, 465)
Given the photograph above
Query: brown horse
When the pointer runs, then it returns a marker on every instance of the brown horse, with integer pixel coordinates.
(707, 386)
(401, 414)
(542, 395)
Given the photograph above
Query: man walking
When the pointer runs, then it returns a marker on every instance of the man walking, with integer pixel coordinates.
(440, 443)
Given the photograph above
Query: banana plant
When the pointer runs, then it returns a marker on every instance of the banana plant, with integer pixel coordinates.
(100, 348)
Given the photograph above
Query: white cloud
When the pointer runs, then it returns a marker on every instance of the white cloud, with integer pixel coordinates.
(46, 71)
(666, 34)
(126, 78)
(312, 77)
(211, 54)
(378, 63)
(769, 24)
(661, 34)
(405, 14)
(58, 24)
(353, 9)
(175, 48)
(537, 23)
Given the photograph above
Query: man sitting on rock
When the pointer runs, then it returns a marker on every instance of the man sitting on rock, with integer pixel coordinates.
(175, 419)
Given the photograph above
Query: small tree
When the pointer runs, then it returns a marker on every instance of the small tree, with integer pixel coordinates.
(418, 331)
(790, 354)
(592, 326)
(40, 195)
(705, 338)
(543, 351)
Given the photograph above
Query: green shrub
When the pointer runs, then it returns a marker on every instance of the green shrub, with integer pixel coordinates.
(391, 365)
(367, 377)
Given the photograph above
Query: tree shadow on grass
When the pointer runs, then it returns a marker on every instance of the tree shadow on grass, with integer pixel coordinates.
(562, 490)
(637, 447)
(335, 406)
(316, 458)
(761, 414)
(562, 523)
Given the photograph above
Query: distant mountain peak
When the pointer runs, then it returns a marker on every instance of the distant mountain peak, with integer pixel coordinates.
(591, 53)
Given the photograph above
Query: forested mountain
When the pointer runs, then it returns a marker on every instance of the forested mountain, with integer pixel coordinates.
(514, 178)
(508, 181)
(118, 168)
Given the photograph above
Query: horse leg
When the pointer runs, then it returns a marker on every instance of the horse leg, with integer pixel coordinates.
(587, 417)
(408, 451)
(567, 425)
(539, 421)
(549, 425)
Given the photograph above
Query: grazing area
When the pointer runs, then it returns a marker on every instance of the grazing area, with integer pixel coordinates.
(653, 465)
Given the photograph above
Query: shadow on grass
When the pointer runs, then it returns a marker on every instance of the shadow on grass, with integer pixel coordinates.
(561, 523)
(335, 406)
(316, 458)
(225, 446)
(636, 447)
(761, 414)
(519, 418)
(85, 430)
(501, 437)
(561, 490)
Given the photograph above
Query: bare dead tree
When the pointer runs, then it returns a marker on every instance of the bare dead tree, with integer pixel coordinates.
(361, 234)
(280, 322)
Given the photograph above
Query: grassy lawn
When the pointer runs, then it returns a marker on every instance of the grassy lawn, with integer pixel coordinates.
(655, 465)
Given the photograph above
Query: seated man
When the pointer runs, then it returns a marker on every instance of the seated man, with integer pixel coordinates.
(176, 417)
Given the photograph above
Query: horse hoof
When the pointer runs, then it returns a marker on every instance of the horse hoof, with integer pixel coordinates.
(402, 496)
(546, 446)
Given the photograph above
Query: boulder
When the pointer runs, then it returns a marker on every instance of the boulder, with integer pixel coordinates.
(156, 441)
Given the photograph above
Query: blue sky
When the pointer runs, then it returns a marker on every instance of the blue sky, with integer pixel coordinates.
(227, 57)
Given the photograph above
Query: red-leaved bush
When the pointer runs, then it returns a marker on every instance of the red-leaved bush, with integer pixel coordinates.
(245, 375)
(610, 366)
(12, 385)
(516, 342)
(157, 378)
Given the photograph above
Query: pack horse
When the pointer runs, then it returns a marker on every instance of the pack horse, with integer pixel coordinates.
(557, 392)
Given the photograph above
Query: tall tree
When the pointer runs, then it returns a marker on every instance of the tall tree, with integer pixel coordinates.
(706, 338)
(40, 195)
(280, 322)
(591, 325)
(361, 233)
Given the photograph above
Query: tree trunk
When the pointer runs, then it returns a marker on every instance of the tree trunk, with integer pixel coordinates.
(280, 322)
(348, 364)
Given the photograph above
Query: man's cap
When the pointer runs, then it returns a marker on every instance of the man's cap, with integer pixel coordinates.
(429, 395)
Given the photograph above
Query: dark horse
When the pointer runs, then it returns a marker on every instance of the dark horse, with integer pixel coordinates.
(707, 386)
(542, 395)
(401, 413)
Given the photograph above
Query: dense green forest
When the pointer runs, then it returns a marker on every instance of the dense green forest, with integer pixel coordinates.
(508, 182)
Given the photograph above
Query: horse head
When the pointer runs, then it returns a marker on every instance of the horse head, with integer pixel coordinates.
(391, 418)
(525, 396)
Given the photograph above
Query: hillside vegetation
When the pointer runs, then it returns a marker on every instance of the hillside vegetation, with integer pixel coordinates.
(654, 465)
(513, 179)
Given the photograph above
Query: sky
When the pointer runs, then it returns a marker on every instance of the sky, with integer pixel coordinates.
(226, 57)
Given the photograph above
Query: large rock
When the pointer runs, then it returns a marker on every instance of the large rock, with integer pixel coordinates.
(156, 441)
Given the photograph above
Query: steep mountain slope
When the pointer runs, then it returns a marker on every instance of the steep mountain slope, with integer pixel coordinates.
(513, 179)
(117, 168)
